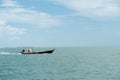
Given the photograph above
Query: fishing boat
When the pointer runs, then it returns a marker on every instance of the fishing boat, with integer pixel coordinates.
(40, 52)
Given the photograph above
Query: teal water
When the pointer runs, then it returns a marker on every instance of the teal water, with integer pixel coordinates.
(77, 63)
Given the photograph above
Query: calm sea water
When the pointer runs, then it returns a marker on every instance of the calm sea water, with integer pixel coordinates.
(74, 63)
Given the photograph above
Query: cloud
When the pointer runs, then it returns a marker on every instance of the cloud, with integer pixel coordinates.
(35, 18)
(26, 16)
(9, 3)
(92, 8)
(10, 31)
(2, 22)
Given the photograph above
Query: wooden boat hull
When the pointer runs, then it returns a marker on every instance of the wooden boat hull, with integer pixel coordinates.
(42, 52)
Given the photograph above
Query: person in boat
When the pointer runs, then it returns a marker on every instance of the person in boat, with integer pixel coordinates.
(30, 50)
(23, 51)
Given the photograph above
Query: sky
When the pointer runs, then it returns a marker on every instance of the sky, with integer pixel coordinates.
(59, 23)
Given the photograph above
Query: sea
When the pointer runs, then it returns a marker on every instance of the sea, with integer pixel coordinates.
(65, 63)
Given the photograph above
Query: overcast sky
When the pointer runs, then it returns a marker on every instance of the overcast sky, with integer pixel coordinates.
(57, 23)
